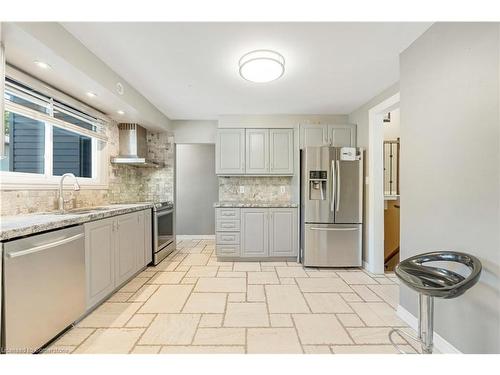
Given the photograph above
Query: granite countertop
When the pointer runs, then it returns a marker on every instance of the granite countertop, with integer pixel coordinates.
(254, 204)
(22, 225)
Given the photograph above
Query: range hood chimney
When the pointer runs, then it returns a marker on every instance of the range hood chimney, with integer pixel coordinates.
(133, 147)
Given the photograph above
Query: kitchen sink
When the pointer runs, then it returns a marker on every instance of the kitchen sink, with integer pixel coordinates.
(81, 211)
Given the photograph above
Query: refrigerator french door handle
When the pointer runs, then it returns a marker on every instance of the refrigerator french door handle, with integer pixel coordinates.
(334, 183)
(334, 229)
(338, 185)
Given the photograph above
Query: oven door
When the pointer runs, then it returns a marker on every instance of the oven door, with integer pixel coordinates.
(164, 235)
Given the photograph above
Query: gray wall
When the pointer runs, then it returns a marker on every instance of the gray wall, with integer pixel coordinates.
(194, 131)
(450, 169)
(196, 189)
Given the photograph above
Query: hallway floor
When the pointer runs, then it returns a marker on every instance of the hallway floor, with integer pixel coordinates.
(191, 303)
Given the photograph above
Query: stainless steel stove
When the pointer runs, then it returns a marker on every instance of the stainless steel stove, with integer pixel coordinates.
(163, 230)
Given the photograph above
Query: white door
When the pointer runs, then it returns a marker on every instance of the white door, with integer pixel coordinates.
(230, 151)
(254, 232)
(282, 232)
(281, 151)
(342, 135)
(313, 135)
(126, 247)
(257, 151)
(99, 259)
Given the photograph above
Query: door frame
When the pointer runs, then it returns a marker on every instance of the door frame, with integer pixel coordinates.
(374, 261)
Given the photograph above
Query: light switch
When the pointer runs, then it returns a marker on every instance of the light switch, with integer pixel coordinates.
(242, 190)
(282, 189)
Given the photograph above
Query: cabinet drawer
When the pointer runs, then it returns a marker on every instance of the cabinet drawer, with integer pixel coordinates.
(227, 225)
(227, 250)
(228, 238)
(228, 213)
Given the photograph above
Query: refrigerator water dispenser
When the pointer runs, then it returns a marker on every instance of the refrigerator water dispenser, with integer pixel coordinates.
(317, 185)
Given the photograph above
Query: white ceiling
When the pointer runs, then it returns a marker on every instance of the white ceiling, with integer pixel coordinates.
(190, 70)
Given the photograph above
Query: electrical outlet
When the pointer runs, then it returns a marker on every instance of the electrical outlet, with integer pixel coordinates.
(242, 190)
(282, 189)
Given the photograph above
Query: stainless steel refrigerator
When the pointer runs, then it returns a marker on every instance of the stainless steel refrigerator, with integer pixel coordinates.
(331, 206)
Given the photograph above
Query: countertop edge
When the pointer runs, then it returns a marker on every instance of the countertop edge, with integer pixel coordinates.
(54, 222)
(255, 205)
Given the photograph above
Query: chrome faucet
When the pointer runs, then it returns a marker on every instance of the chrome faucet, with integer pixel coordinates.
(76, 187)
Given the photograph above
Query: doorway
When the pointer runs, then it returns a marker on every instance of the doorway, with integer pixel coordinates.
(392, 150)
(197, 190)
(375, 245)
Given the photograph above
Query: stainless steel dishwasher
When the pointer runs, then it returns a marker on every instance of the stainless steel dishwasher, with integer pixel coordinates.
(43, 287)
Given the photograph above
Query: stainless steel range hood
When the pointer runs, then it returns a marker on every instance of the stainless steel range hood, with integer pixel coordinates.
(133, 147)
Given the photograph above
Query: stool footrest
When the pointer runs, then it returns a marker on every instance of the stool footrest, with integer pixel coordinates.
(401, 332)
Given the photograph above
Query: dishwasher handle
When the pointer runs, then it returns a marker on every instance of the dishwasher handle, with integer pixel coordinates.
(51, 245)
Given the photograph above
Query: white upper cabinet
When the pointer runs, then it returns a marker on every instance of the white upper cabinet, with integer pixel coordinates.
(281, 151)
(313, 135)
(339, 135)
(257, 151)
(342, 135)
(230, 151)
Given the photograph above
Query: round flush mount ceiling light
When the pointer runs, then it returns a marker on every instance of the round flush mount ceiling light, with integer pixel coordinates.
(120, 112)
(262, 66)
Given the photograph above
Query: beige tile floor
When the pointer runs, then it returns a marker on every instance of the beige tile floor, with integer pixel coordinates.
(192, 303)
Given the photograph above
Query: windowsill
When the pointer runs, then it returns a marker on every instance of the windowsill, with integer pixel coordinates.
(12, 182)
(48, 186)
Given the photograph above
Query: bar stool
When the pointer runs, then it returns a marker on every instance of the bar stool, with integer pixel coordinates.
(432, 282)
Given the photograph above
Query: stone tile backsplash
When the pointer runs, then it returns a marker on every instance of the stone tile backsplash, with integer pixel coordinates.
(261, 189)
(126, 184)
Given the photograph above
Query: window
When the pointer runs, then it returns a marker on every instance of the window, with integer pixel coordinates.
(72, 153)
(24, 144)
(45, 138)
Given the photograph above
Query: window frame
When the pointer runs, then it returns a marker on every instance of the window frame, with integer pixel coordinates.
(10, 180)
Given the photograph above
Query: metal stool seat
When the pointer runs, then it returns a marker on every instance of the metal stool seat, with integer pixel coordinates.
(432, 282)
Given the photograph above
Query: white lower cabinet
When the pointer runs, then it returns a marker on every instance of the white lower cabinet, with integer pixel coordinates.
(282, 232)
(254, 232)
(127, 239)
(227, 232)
(259, 233)
(115, 249)
(99, 259)
(148, 237)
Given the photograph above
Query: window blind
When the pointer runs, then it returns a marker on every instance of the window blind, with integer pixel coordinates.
(23, 100)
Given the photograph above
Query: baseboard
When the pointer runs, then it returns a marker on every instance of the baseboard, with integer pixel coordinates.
(195, 237)
(440, 344)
